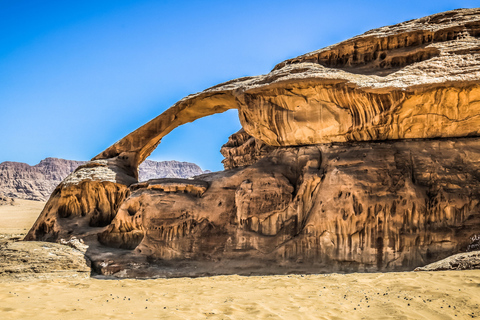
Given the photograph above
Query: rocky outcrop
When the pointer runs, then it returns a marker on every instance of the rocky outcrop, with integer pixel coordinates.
(362, 156)
(345, 207)
(460, 261)
(40, 260)
(167, 169)
(417, 79)
(19, 180)
(243, 150)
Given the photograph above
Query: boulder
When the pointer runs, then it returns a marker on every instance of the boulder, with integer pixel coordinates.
(459, 261)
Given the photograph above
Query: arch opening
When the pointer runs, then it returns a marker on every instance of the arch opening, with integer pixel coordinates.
(191, 149)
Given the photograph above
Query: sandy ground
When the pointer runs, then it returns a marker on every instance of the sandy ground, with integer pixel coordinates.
(419, 295)
(407, 295)
(19, 218)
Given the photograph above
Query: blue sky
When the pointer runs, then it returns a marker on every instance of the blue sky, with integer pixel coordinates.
(76, 76)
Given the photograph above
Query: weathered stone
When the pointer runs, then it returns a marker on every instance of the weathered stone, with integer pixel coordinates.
(19, 180)
(362, 156)
(243, 150)
(21, 260)
(417, 79)
(192, 186)
(460, 261)
(346, 207)
(74, 208)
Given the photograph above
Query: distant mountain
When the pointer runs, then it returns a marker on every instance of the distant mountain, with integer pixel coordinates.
(20, 180)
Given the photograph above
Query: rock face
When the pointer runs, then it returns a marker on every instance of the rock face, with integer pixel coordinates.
(417, 79)
(167, 169)
(20, 180)
(362, 156)
(243, 150)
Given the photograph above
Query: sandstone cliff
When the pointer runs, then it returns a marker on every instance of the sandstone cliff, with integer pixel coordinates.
(362, 156)
(20, 180)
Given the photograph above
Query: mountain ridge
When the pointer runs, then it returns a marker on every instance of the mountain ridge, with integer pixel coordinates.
(37, 182)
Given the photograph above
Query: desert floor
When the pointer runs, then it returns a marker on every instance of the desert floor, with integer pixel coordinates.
(19, 218)
(408, 295)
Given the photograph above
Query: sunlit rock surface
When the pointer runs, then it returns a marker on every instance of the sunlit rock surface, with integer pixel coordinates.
(20, 180)
(363, 156)
(417, 79)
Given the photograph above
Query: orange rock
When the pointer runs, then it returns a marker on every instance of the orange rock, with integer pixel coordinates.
(362, 156)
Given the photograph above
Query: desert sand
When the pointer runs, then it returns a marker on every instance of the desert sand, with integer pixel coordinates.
(407, 295)
(18, 219)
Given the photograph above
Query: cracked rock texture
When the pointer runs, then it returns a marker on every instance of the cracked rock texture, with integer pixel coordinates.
(362, 156)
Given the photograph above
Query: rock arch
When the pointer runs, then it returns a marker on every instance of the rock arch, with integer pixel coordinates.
(383, 85)
(381, 205)
(138, 145)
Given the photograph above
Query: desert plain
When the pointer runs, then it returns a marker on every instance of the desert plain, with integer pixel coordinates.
(394, 295)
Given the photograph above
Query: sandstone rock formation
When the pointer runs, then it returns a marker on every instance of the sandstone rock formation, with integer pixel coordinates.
(417, 79)
(362, 156)
(20, 180)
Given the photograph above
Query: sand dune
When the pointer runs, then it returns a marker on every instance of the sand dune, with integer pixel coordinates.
(408, 295)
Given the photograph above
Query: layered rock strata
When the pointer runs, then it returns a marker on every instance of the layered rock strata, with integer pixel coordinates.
(362, 156)
(243, 150)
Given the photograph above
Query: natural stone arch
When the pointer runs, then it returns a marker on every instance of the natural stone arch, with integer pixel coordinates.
(383, 85)
(386, 205)
(138, 145)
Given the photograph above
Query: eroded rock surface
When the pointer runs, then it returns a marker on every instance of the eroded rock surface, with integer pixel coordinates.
(342, 207)
(417, 79)
(19, 180)
(363, 156)
(21, 260)
(243, 150)
(346, 207)
(460, 261)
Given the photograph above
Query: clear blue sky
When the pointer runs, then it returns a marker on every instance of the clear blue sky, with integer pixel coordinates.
(76, 76)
